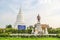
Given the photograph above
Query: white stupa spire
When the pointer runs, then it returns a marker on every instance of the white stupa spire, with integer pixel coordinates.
(20, 10)
(20, 16)
(19, 20)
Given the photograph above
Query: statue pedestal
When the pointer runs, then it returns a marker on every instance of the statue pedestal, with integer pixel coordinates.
(38, 29)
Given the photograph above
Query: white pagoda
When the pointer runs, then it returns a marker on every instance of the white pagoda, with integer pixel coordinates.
(19, 21)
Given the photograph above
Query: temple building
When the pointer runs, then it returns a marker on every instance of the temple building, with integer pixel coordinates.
(40, 28)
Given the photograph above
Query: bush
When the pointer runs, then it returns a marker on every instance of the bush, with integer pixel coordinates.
(58, 35)
(4, 35)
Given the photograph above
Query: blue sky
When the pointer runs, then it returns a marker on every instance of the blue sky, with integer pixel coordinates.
(49, 11)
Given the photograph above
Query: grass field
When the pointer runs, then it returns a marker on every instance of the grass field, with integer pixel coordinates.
(16, 38)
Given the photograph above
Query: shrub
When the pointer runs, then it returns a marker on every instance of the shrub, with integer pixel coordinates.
(4, 35)
(58, 35)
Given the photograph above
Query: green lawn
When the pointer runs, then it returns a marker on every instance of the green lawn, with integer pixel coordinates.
(15, 38)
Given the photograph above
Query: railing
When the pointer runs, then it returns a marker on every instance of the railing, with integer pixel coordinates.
(32, 34)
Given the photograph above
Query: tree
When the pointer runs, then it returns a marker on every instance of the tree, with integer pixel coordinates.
(30, 27)
(54, 30)
(9, 26)
(1, 30)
